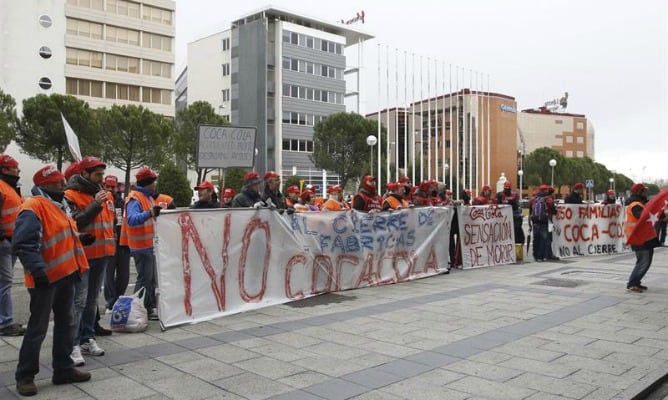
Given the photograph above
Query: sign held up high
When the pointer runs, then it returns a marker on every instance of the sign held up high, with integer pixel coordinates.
(225, 146)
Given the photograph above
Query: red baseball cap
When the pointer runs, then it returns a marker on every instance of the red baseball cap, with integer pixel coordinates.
(89, 163)
(229, 192)
(579, 185)
(333, 188)
(393, 185)
(270, 174)
(204, 185)
(47, 174)
(638, 188)
(72, 169)
(7, 161)
(145, 173)
(110, 180)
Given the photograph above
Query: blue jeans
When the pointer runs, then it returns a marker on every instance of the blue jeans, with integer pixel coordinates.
(117, 276)
(79, 305)
(88, 317)
(643, 261)
(57, 297)
(146, 277)
(6, 278)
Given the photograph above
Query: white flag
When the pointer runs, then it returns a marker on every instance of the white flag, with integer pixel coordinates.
(72, 140)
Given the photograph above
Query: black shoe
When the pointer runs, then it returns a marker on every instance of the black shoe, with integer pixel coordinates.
(70, 376)
(553, 258)
(642, 287)
(101, 331)
(26, 387)
(12, 330)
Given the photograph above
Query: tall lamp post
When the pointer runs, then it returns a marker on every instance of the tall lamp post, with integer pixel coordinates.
(371, 141)
(520, 173)
(552, 163)
(612, 183)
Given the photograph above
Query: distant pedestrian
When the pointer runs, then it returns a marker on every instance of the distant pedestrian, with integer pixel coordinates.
(10, 200)
(46, 241)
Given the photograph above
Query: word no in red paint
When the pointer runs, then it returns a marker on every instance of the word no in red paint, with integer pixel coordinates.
(189, 232)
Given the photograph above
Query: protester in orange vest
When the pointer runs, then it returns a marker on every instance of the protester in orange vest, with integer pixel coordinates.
(10, 200)
(394, 200)
(117, 273)
(137, 233)
(165, 201)
(92, 208)
(407, 186)
(334, 202)
(49, 246)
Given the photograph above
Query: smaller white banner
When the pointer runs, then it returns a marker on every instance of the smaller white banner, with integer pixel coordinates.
(487, 235)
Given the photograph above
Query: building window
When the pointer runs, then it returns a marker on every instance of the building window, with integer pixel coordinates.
(84, 58)
(45, 52)
(85, 29)
(579, 125)
(84, 87)
(226, 69)
(94, 4)
(226, 44)
(157, 42)
(158, 15)
(558, 121)
(122, 35)
(123, 7)
(226, 95)
(569, 153)
(45, 83)
(298, 145)
(156, 68)
(580, 154)
(581, 140)
(569, 139)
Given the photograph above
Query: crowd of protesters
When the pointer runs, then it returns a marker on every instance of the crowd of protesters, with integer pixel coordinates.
(77, 233)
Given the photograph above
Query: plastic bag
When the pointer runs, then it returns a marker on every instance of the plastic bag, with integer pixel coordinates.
(129, 313)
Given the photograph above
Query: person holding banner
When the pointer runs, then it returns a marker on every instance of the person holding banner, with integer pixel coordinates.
(137, 233)
(205, 192)
(421, 197)
(335, 200)
(407, 186)
(228, 196)
(272, 190)
(92, 209)
(484, 198)
(610, 197)
(511, 198)
(641, 234)
(10, 200)
(394, 200)
(293, 196)
(367, 199)
(575, 196)
(250, 193)
(49, 246)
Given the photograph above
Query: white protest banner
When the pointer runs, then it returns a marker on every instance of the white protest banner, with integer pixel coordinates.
(72, 140)
(487, 235)
(225, 146)
(588, 229)
(218, 262)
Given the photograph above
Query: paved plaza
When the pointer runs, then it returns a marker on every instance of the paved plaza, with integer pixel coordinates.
(553, 330)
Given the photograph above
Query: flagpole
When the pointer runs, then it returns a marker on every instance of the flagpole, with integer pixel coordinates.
(470, 118)
(395, 150)
(435, 120)
(413, 118)
(405, 115)
(465, 125)
(421, 123)
(387, 141)
(443, 126)
(451, 128)
(379, 119)
(489, 134)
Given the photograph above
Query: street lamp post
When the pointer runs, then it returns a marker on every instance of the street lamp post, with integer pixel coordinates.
(520, 173)
(371, 141)
(612, 183)
(552, 163)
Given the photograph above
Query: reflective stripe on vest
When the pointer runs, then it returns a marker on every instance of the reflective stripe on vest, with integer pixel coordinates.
(138, 237)
(60, 249)
(10, 208)
(631, 220)
(102, 225)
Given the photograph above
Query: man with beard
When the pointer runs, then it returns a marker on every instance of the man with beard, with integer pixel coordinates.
(272, 190)
(10, 200)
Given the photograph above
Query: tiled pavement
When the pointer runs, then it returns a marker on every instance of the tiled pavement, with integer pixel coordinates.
(562, 330)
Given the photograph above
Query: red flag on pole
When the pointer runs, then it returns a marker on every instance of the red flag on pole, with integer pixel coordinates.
(645, 228)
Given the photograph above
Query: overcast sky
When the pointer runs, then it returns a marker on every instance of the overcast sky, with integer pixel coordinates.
(610, 56)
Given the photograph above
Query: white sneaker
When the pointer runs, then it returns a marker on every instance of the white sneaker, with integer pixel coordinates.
(91, 348)
(108, 311)
(77, 357)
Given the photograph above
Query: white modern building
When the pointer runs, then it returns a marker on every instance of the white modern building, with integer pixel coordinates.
(572, 135)
(278, 71)
(104, 52)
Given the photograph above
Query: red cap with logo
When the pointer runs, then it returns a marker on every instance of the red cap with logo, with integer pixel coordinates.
(229, 192)
(72, 169)
(110, 180)
(89, 163)
(48, 174)
(204, 185)
(7, 161)
(293, 189)
(270, 174)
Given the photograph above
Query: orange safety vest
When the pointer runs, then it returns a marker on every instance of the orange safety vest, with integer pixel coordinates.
(138, 237)
(10, 208)
(164, 200)
(60, 247)
(631, 220)
(102, 225)
(332, 205)
(395, 203)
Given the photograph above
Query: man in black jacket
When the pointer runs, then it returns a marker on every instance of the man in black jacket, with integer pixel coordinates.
(117, 273)
(250, 193)
(205, 191)
(575, 197)
(272, 190)
(645, 252)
